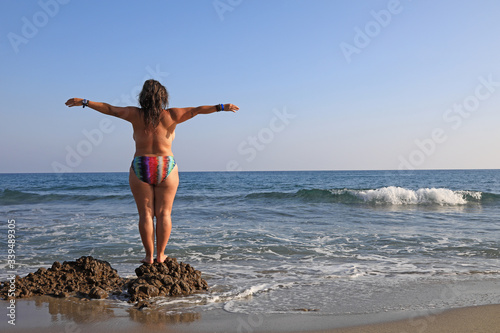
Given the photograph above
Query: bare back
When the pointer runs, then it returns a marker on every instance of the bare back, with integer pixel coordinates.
(155, 142)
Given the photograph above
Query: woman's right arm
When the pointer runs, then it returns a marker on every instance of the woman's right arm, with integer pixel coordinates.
(120, 112)
(180, 115)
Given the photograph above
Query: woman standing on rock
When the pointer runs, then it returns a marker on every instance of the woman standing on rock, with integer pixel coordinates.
(153, 174)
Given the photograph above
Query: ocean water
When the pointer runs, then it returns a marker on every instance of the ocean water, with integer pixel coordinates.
(331, 242)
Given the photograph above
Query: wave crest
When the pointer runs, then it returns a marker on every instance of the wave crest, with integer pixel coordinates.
(402, 196)
(389, 195)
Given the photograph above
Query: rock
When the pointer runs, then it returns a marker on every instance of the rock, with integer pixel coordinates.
(98, 293)
(56, 266)
(61, 294)
(149, 290)
(176, 290)
(141, 305)
(74, 278)
(169, 278)
(89, 277)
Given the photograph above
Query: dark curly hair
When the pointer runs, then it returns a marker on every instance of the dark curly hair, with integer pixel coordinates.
(153, 99)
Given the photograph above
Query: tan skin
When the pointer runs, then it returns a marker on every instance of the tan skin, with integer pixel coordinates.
(153, 200)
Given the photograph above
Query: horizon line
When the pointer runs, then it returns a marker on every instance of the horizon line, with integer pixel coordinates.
(242, 171)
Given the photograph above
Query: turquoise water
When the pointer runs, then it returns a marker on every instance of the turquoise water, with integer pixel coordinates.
(340, 242)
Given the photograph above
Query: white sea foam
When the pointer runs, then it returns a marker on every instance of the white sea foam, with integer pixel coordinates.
(227, 300)
(402, 196)
(229, 304)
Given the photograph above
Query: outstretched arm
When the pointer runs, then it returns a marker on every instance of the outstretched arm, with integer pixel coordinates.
(182, 114)
(120, 112)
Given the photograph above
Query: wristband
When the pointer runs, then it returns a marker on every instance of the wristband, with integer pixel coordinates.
(85, 103)
(218, 108)
(222, 107)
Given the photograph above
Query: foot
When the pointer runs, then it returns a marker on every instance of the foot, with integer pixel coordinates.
(147, 260)
(161, 258)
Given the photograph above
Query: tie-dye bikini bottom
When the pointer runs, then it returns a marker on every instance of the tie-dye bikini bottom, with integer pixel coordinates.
(153, 169)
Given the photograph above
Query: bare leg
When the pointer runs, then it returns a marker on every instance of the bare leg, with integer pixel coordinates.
(164, 195)
(144, 198)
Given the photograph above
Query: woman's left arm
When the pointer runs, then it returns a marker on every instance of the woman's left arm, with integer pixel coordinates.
(120, 112)
(180, 115)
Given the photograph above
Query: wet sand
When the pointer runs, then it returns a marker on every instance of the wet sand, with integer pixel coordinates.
(49, 314)
(480, 319)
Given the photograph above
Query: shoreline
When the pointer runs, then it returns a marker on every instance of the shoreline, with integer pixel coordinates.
(477, 319)
(481, 318)
(48, 314)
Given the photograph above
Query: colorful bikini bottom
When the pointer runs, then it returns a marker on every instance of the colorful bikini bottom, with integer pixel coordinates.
(153, 169)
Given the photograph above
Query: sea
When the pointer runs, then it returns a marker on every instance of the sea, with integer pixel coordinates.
(322, 242)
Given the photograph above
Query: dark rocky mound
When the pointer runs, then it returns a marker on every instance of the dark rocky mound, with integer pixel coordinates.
(91, 278)
(165, 279)
(85, 277)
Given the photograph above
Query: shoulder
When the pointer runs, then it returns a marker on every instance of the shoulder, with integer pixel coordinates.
(132, 110)
(173, 113)
(167, 117)
(130, 113)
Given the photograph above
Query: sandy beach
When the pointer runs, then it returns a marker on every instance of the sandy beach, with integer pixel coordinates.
(48, 314)
(480, 319)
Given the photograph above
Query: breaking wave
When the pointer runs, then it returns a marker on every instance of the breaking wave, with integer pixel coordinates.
(390, 195)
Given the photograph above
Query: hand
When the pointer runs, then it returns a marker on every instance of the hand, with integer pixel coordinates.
(231, 107)
(74, 102)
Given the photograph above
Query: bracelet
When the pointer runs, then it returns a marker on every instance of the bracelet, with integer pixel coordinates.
(85, 103)
(218, 108)
(222, 107)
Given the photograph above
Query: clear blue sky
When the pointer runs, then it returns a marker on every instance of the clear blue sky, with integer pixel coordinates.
(322, 85)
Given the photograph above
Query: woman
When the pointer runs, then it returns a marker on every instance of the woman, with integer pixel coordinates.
(153, 174)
